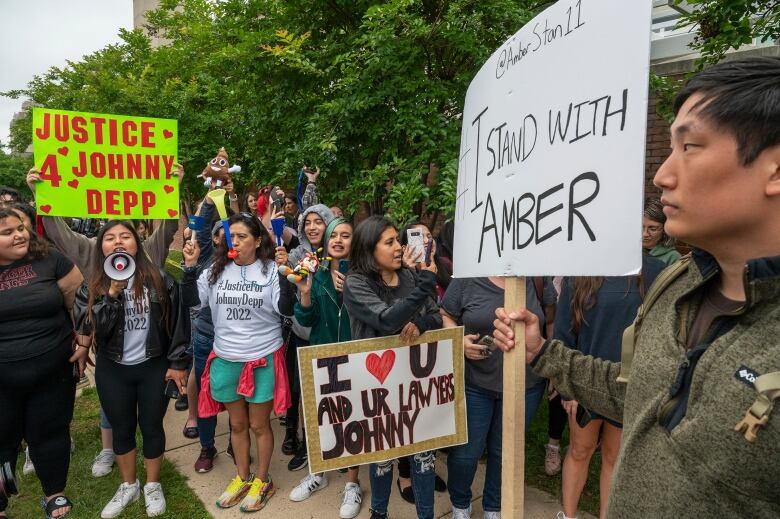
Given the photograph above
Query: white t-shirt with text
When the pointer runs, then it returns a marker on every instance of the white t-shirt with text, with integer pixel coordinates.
(244, 306)
(136, 326)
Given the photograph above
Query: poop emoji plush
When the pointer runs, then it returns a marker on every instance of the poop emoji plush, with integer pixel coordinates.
(217, 169)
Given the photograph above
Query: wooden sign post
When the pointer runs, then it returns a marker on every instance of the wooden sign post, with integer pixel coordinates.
(513, 410)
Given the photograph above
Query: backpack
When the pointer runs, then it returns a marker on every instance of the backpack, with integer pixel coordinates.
(767, 386)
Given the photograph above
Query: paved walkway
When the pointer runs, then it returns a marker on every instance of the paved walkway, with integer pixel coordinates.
(183, 452)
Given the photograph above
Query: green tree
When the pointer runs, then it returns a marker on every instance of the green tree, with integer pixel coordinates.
(13, 171)
(724, 25)
(370, 91)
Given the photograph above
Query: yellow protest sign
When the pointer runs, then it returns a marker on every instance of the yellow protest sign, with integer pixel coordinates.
(105, 166)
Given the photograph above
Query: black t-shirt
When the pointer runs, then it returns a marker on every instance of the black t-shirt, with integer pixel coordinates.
(473, 303)
(33, 318)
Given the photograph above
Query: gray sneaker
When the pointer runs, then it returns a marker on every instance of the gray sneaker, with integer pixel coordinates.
(461, 513)
(103, 463)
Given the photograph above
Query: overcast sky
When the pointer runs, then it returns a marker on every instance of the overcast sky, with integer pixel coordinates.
(38, 34)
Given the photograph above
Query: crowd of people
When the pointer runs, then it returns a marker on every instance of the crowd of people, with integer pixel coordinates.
(226, 335)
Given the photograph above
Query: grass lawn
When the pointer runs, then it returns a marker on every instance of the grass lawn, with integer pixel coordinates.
(535, 476)
(91, 494)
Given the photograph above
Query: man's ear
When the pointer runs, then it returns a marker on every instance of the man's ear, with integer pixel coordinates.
(773, 182)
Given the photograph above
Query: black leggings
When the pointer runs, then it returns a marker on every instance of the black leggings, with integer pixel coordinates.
(134, 396)
(36, 404)
(291, 360)
(556, 419)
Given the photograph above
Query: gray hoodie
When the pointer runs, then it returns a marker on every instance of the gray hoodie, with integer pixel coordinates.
(305, 246)
(297, 253)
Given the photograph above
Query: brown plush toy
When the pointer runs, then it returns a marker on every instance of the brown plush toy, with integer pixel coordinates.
(217, 169)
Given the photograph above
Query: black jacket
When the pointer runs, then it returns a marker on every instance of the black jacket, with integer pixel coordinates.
(171, 340)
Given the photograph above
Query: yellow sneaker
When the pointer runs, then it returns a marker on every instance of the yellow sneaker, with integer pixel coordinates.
(234, 492)
(258, 496)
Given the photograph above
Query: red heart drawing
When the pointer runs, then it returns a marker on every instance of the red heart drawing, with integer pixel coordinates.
(172, 212)
(168, 189)
(45, 208)
(380, 367)
(167, 134)
(63, 151)
(74, 183)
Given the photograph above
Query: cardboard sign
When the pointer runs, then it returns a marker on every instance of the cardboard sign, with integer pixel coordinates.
(552, 165)
(105, 166)
(375, 400)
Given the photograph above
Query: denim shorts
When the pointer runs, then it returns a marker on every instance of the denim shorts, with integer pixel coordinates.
(224, 376)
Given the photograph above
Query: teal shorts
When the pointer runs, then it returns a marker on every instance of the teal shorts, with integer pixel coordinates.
(224, 376)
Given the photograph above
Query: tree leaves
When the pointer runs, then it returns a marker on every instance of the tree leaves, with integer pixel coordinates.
(370, 91)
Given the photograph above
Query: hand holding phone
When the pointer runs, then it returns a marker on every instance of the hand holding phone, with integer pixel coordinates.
(414, 242)
(488, 344)
(344, 266)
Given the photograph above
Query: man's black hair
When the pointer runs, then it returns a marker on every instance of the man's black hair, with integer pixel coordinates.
(5, 190)
(741, 96)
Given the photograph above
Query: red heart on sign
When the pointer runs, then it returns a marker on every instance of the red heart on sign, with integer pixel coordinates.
(74, 183)
(167, 134)
(45, 208)
(168, 189)
(172, 212)
(380, 366)
(63, 151)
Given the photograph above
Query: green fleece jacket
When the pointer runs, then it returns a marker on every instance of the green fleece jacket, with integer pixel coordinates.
(326, 316)
(701, 467)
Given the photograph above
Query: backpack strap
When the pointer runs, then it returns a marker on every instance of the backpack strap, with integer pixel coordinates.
(630, 334)
(768, 389)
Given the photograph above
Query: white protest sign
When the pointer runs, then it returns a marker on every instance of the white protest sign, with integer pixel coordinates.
(551, 170)
(375, 400)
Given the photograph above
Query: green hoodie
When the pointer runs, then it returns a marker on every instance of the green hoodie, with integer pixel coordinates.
(702, 467)
(666, 254)
(326, 316)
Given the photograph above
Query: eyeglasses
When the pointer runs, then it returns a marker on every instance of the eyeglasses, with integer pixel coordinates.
(652, 229)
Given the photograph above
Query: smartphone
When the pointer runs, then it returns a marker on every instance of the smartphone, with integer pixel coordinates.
(414, 240)
(489, 345)
(583, 416)
(276, 199)
(344, 266)
(171, 389)
(428, 250)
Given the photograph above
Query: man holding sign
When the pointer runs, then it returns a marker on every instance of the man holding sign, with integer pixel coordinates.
(695, 390)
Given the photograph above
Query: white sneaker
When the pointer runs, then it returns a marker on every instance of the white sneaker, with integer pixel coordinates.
(103, 463)
(461, 513)
(561, 515)
(28, 468)
(126, 494)
(308, 485)
(492, 515)
(154, 499)
(350, 506)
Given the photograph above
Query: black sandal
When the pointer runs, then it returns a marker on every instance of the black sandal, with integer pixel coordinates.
(55, 503)
(190, 432)
(407, 493)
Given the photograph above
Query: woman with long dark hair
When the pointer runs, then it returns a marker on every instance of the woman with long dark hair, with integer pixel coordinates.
(384, 298)
(247, 298)
(140, 331)
(592, 314)
(321, 307)
(37, 287)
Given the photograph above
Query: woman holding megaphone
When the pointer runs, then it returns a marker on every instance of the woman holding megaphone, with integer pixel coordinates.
(140, 330)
